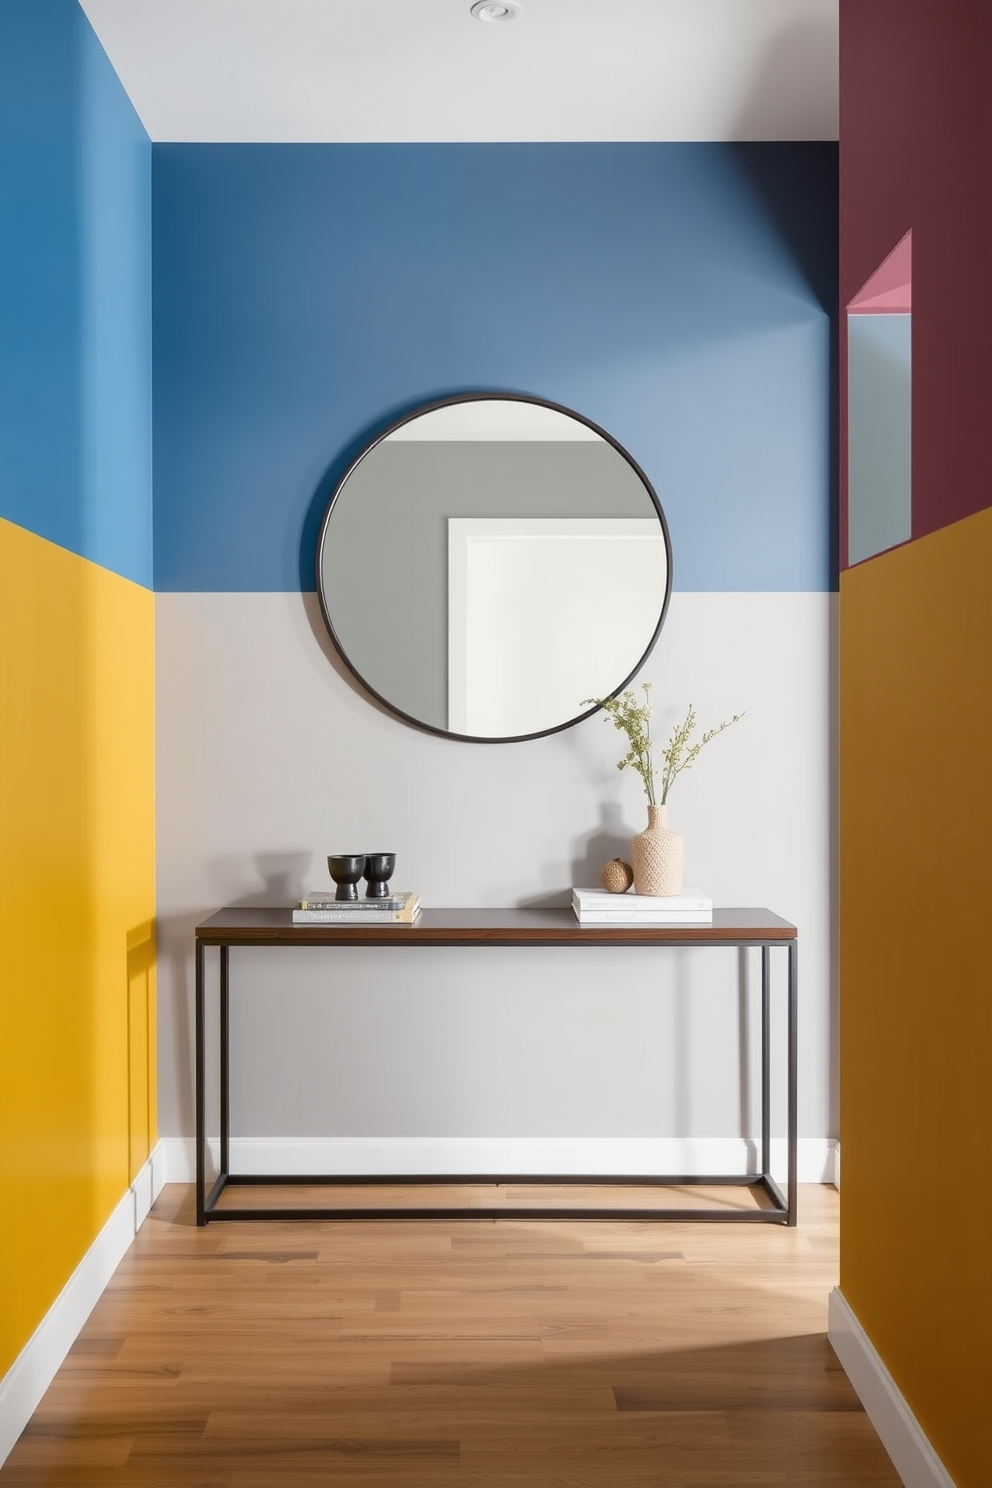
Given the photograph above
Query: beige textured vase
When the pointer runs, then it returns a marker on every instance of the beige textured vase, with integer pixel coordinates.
(657, 856)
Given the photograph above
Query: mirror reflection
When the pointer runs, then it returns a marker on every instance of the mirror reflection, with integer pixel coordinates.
(490, 562)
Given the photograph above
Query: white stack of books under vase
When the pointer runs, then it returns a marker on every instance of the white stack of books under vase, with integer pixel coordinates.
(595, 907)
(319, 908)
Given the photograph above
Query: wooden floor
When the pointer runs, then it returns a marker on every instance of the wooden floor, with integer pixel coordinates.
(530, 1353)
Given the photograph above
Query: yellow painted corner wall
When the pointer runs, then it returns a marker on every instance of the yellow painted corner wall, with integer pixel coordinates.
(916, 975)
(77, 902)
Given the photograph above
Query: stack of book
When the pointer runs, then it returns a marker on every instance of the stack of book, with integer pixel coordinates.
(593, 907)
(319, 908)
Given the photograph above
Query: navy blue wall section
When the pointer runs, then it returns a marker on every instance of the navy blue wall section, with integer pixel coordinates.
(679, 295)
(75, 292)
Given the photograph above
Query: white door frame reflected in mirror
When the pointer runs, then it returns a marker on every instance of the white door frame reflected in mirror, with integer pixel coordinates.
(571, 595)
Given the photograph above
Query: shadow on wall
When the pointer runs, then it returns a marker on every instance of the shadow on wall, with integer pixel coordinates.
(175, 954)
(610, 839)
(803, 217)
(141, 1045)
(792, 68)
(283, 876)
(330, 652)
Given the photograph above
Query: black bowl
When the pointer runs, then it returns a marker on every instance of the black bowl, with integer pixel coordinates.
(346, 869)
(379, 869)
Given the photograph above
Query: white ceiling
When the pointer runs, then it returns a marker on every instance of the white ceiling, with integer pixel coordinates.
(400, 70)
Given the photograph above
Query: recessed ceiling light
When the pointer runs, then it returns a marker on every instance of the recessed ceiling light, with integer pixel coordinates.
(495, 10)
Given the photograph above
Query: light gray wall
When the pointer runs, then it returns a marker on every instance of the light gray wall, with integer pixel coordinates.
(386, 550)
(269, 758)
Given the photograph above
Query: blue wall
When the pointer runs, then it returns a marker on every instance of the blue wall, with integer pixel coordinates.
(679, 295)
(75, 292)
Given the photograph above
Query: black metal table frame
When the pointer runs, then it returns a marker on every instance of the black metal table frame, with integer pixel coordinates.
(781, 1209)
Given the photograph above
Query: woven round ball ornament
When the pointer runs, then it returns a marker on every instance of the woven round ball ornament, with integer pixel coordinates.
(617, 876)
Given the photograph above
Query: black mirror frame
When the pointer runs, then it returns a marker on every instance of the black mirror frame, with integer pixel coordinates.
(479, 397)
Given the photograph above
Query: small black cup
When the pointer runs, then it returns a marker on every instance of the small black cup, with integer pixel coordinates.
(379, 869)
(346, 869)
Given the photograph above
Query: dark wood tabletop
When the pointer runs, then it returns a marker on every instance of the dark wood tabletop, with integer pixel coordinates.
(521, 927)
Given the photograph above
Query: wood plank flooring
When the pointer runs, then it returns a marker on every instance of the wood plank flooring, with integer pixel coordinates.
(488, 1353)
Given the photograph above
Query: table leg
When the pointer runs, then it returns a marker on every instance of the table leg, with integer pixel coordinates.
(792, 1194)
(766, 1062)
(225, 1063)
(200, 1083)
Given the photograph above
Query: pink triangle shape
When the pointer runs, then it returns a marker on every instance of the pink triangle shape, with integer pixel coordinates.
(889, 291)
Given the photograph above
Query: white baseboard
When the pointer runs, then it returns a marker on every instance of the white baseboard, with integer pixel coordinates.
(609, 1156)
(913, 1458)
(35, 1366)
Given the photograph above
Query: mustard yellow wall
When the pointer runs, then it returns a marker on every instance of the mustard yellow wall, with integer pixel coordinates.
(77, 894)
(916, 976)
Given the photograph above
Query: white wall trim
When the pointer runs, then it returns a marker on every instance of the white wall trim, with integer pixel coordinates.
(35, 1366)
(610, 1156)
(913, 1458)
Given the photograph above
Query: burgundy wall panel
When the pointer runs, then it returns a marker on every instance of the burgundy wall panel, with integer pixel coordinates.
(916, 154)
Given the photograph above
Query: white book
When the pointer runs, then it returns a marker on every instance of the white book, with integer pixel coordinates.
(645, 921)
(596, 901)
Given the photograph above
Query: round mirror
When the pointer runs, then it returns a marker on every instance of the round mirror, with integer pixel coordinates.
(491, 562)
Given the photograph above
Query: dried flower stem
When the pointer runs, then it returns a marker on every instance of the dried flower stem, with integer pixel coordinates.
(680, 755)
(634, 719)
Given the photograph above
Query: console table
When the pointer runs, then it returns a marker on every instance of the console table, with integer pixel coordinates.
(498, 927)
